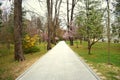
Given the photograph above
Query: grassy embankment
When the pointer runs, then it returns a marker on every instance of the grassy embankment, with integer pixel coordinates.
(99, 58)
(10, 69)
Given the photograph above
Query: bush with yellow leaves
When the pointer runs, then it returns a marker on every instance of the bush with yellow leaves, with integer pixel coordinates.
(29, 44)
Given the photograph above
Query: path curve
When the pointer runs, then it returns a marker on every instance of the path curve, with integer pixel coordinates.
(60, 63)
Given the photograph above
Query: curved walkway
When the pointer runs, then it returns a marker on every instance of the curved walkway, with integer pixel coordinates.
(60, 63)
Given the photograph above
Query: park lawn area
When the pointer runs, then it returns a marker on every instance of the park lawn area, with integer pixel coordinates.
(99, 58)
(10, 69)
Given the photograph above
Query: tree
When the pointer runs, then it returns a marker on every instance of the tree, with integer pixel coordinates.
(53, 21)
(116, 24)
(39, 24)
(49, 19)
(40, 28)
(81, 26)
(56, 18)
(117, 12)
(68, 15)
(0, 16)
(7, 29)
(18, 51)
(108, 29)
(90, 22)
(70, 20)
(6, 33)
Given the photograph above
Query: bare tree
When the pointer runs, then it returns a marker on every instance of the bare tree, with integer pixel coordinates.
(0, 16)
(68, 15)
(72, 11)
(108, 29)
(49, 18)
(56, 18)
(71, 19)
(18, 51)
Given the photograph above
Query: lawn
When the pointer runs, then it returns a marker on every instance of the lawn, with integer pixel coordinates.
(99, 58)
(10, 69)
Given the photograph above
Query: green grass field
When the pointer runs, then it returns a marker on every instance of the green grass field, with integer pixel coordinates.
(10, 69)
(99, 58)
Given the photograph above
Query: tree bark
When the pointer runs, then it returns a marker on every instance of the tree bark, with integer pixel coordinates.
(71, 41)
(89, 50)
(55, 22)
(108, 30)
(56, 18)
(49, 22)
(68, 15)
(72, 11)
(89, 47)
(18, 51)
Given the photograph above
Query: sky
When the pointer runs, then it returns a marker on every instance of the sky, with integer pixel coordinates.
(39, 8)
(35, 6)
(5, 4)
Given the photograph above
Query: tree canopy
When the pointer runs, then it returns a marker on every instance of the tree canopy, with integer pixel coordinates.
(89, 21)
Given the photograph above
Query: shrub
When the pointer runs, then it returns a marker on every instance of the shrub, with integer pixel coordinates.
(31, 49)
(29, 44)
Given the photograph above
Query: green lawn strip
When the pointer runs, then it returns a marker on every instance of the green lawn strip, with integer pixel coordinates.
(10, 69)
(99, 57)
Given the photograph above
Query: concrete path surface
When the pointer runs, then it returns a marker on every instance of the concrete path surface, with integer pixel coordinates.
(60, 63)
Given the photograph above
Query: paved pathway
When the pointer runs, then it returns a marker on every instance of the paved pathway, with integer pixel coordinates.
(60, 63)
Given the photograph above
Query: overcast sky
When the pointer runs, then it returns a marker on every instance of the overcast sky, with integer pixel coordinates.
(39, 8)
(35, 6)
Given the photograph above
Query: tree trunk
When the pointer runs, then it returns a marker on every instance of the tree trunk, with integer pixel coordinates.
(54, 36)
(108, 30)
(49, 23)
(89, 47)
(80, 40)
(89, 50)
(18, 51)
(56, 18)
(71, 41)
(68, 15)
(55, 22)
(72, 11)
